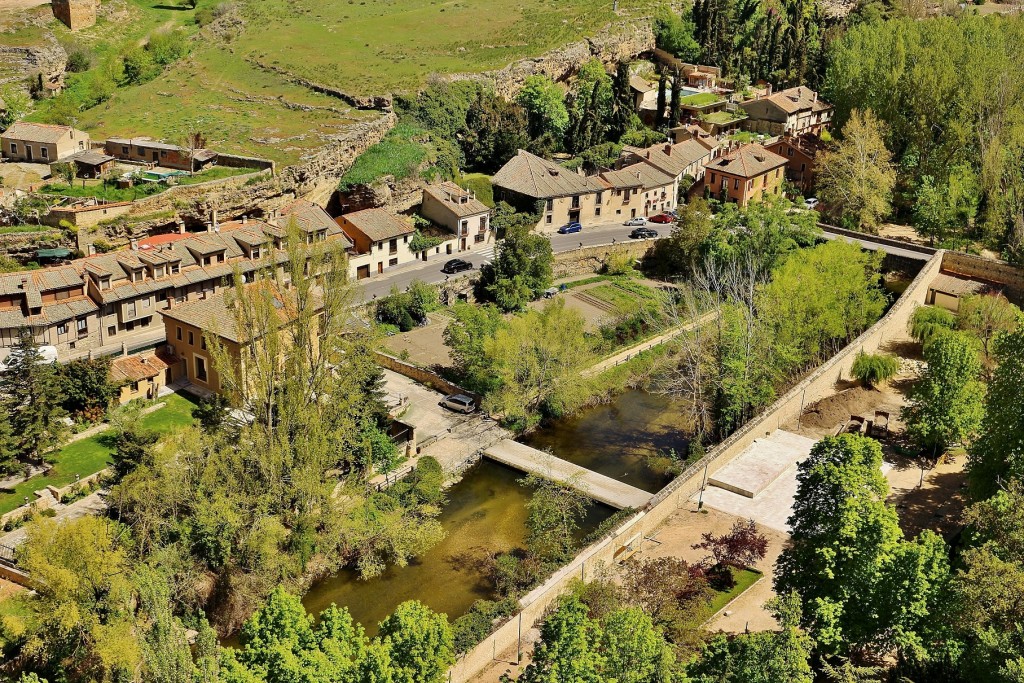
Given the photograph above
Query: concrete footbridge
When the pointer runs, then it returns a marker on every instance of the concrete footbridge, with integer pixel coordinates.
(597, 486)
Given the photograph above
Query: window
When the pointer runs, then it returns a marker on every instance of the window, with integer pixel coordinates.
(598, 197)
(44, 152)
(712, 178)
(146, 303)
(735, 184)
(62, 329)
(547, 219)
(83, 327)
(255, 252)
(135, 386)
(393, 246)
(178, 333)
(130, 309)
(392, 262)
(124, 151)
(129, 326)
(191, 339)
(62, 294)
(202, 343)
(803, 167)
(111, 330)
(550, 205)
(201, 369)
(790, 151)
(145, 321)
(14, 148)
(597, 210)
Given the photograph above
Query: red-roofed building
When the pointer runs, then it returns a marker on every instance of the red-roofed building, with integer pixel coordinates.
(744, 175)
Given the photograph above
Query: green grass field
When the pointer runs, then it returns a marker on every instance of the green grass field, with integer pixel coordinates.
(701, 99)
(112, 193)
(625, 296)
(745, 578)
(243, 91)
(90, 455)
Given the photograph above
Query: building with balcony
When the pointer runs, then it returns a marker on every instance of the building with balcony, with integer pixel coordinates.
(459, 211)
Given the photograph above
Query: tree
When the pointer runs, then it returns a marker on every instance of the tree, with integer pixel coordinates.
(65, 170)
(871, 369)
(133, 443)
(623, 104)
(85, 386)
(998, 453)
(945, 211)
(985, 316)
(634, 649)
(466, 335)
(946, 407)
(521, 269)
(8, 445)
(545, 106)
(676, 104)
(566, 652)
(743, 546)
(17, 104)
(676, 596)
(674, 34)
(764, 657)
(535, 360)
(82, 614)
(856, 178)
(927, 322)
(496, 130)
(590, 107)
(420, 643)
(659, 120)
(553, 517)
(862, 586)
(192, 140)
(32, 399)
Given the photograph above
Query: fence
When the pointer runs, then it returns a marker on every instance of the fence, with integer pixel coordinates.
(817, 385)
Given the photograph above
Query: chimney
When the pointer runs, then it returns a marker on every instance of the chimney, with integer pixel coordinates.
(134, 243)
(668, 149)
(638, 175)
(24, 282)
(814, 96)
(181, 227)
(216, 227)
(209, 226)
(245, 219)
(648, 154)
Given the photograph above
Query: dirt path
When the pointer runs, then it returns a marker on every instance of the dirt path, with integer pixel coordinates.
(11, 5)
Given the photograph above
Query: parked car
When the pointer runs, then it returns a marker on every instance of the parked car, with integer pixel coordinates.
(643, 234)
(811, 203)
(569, 228)
(460, 403)
(456, 265)
(660, 218)
(639, 220)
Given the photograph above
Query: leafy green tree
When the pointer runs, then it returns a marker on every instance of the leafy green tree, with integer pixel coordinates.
(567, 651)
(466, 336)
(998, 453)
(17, 104)
(927, 322)
(536, 359)
(763, 657)
(545, 106)
(862, 586)
(871, 369)
(675, 594)
(496, 130)
(590, 107)
(674, 33)
(85, 385)
(634, 650)
(985, 316)
(521, 269)
(856, 178)
(8, 445)
(32, 398)
(420, 643)
(554, 513)
(945, 211)
(946, 407)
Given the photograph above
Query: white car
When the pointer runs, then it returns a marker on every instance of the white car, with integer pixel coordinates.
(811, 203)
(639, 220)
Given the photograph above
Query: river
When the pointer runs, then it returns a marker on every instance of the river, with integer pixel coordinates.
(486, 510)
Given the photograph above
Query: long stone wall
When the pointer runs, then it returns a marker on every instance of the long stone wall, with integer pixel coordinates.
(1002, 272)
(592, 259)
(817, 385)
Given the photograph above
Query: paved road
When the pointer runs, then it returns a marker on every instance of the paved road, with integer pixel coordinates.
(430, 271)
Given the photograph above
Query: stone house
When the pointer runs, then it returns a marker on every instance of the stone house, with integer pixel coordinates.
(91, 163)
(637, 190)
(460, 211)
(744, 175)
(800, 153)
(75, 14)
(41, 143)
(114, 302)
(148, 151)
(189, 327)
(686, 159)
(143, 376)
(560, 196)
(380, 239)
(793, 112)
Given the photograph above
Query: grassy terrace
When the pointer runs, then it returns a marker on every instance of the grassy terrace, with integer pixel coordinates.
(701, 99)
(90, 455)
(745, 578)
(723, 117)
(96, 188)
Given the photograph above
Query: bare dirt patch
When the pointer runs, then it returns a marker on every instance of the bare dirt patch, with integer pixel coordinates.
(425, 345)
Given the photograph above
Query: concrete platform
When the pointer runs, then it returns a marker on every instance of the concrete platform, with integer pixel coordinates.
(599, 487)
(762, 463)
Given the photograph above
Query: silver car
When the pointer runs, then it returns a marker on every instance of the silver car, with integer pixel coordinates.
(460, 403)
(639, 220)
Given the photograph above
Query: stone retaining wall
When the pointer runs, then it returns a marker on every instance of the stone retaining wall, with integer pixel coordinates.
(421, 375)
(987, 269)
(819, 384)
(592, 259)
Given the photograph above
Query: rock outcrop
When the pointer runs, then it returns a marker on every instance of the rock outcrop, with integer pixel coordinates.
(18, 64)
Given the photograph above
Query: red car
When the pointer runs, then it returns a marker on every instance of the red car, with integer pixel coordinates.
(660, 218)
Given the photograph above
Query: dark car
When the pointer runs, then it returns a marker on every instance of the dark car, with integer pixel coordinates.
(643, 234)
(660, 218)
(569, 228)
(460, 403)
(456, 265)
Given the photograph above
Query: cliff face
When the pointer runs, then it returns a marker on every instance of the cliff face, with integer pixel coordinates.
(621, 40)
(18, 64)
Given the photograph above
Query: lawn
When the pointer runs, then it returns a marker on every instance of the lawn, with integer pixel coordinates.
(723, 117)
(745, 578)
(112, 193)
(90, 455)
(480, 183)
(701, 99)
(398, 155)
(625, 296)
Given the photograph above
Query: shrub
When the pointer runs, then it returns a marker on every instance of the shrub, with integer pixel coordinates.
(927, 321)
(78, 61)
(167, 47)
(874, 368)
